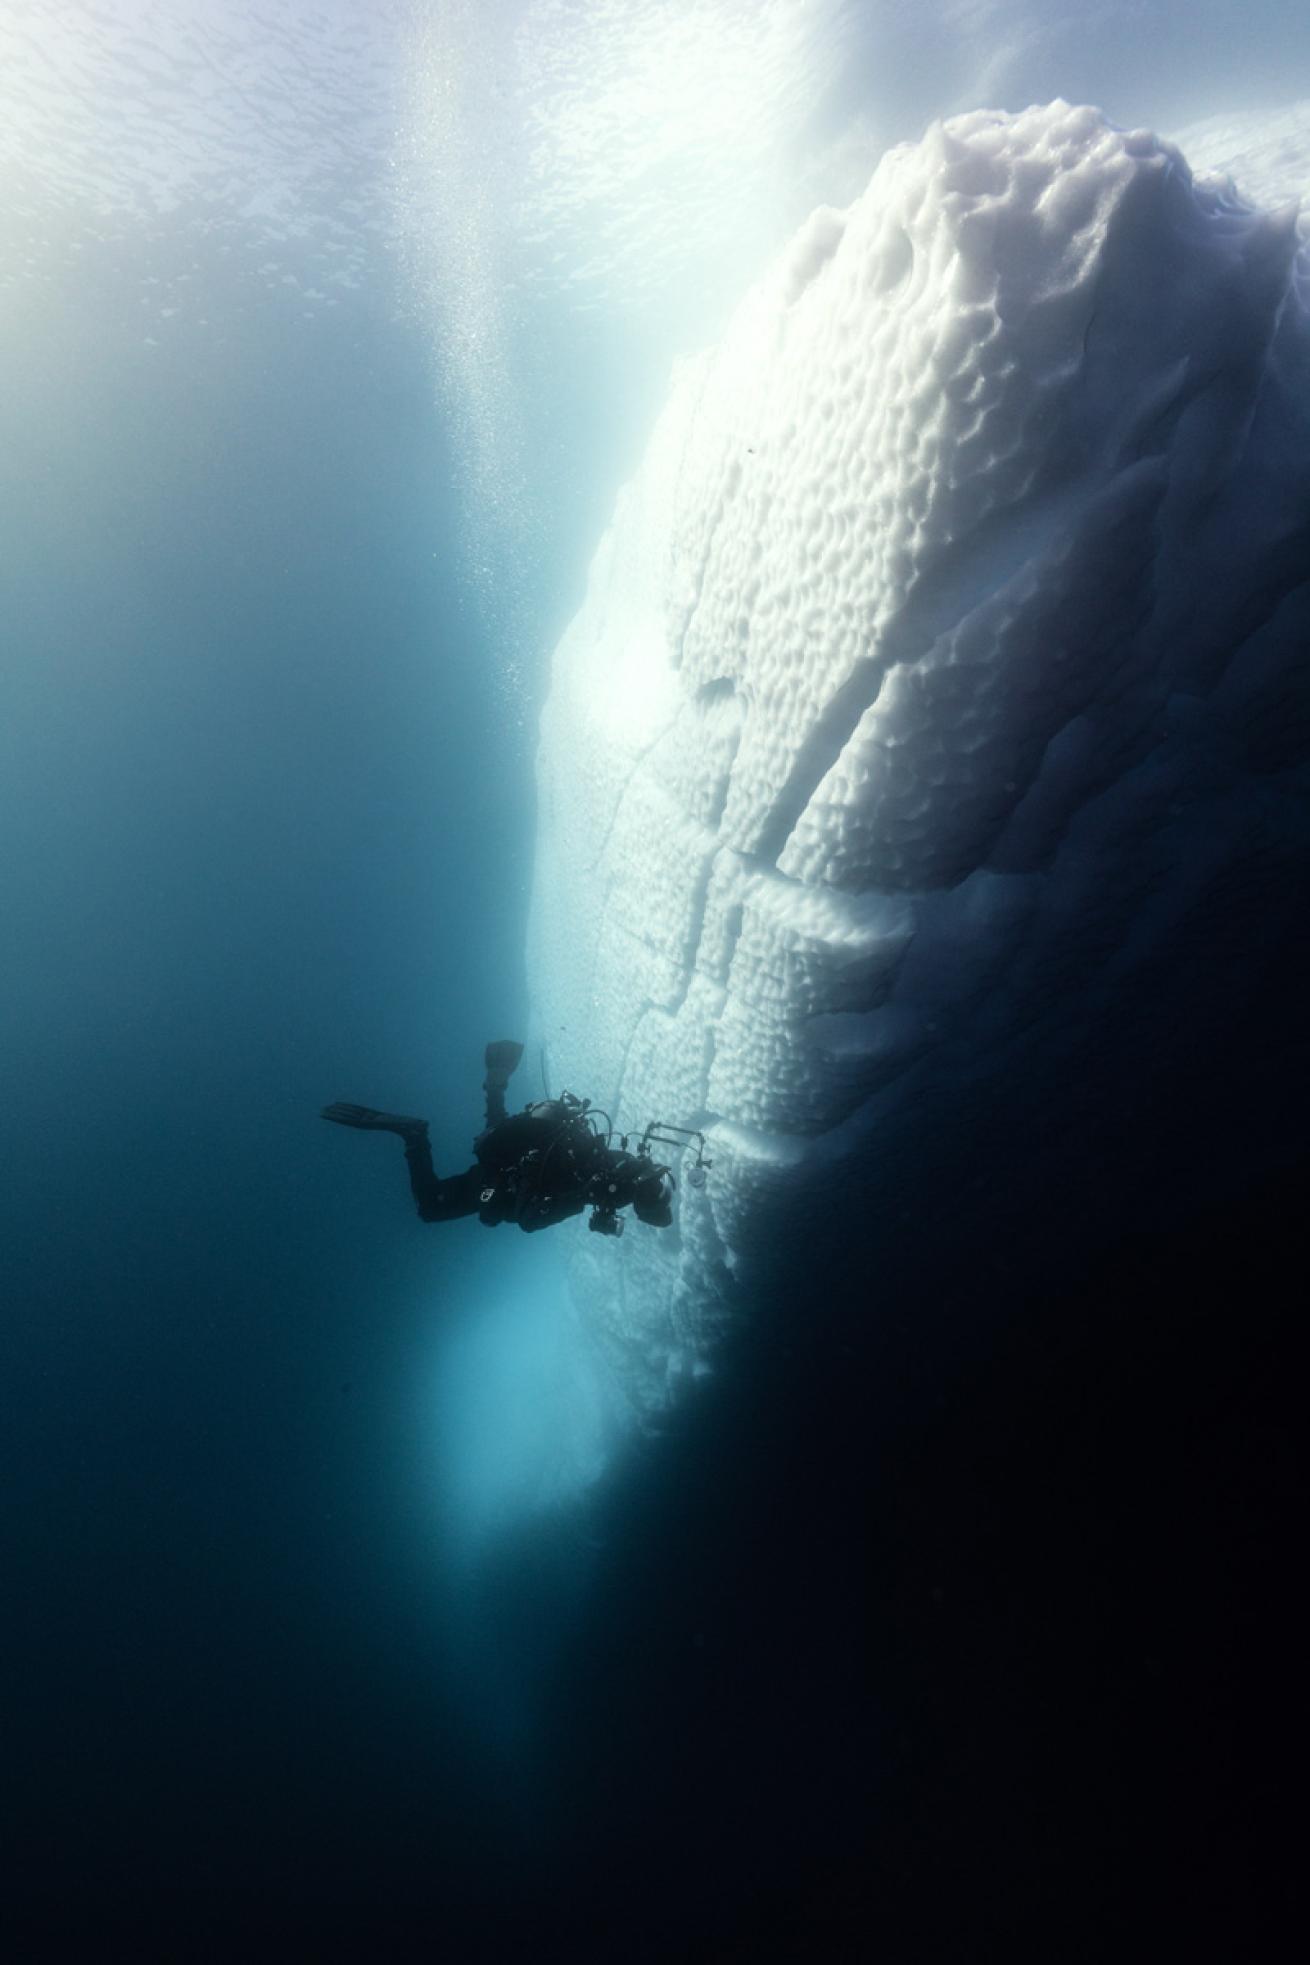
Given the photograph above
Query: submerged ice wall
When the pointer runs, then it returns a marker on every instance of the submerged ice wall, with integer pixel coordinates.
(942, 669)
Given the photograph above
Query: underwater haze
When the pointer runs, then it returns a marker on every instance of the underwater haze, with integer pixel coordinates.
(328, 336)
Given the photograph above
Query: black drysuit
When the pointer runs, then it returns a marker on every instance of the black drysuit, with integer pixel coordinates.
(537, 1167)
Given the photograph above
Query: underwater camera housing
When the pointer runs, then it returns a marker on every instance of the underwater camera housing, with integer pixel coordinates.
(604, 1221)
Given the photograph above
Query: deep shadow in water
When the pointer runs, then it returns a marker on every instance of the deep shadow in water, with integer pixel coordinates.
(959, 1620)
(945, 1662)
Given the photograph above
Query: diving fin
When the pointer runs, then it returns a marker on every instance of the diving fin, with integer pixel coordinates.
(502, 1062)
(367, 1119)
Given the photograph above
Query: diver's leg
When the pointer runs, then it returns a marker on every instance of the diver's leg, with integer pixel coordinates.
(439, 1200)
(502, 1062)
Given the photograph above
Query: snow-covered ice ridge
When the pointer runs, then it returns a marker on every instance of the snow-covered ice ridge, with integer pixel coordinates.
(941, 653)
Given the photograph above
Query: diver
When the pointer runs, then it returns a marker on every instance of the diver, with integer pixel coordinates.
(536, 1167)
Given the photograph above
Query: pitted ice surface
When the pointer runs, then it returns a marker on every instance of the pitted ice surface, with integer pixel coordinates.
(945, 581)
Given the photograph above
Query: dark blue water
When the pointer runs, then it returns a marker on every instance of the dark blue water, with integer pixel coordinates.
(267, 824)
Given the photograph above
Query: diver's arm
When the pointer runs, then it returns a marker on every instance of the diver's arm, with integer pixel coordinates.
(546, 1210)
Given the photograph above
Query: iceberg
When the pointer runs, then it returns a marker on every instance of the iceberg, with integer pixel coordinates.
(936, 721)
